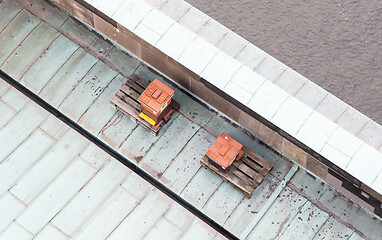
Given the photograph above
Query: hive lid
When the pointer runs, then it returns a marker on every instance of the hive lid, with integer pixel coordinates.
(156, 95)
(224, 150)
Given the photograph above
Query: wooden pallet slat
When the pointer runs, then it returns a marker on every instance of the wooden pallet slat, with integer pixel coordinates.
(244, 174)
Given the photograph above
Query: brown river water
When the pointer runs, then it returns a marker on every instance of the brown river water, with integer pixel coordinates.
(335, 43)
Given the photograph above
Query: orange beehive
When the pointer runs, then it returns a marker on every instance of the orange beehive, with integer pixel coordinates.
(224, 150)
(154, 100)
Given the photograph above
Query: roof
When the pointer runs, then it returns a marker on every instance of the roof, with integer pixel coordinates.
(156, 95)
(49, 157)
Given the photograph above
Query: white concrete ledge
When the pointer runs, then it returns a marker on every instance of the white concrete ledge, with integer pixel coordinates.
(298, 106)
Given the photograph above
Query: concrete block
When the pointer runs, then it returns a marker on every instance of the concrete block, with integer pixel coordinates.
(331, 107)
(4, 86)
(248, 79)
(212, 31)
(157, 21)
(175, 9)
(267, 100)
(345, 142)
(175, 40)
(352, 120)
(237, 92)
(232, 44)
(377, 184)
(335, 156)
(371, 133)
(107, 7)
(137, 186)
(220, 70)
(291, 115)
(316, 131)
(251, 56)
(158, 4)
(291, 81)
(117, 130)
(366, 164)
(197, 55)
(194, 19)
(147, 34)
(295, 153)
(311, 94)
(131, 13)
(271, 68)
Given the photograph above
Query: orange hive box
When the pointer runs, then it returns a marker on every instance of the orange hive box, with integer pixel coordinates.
(224, 150)
(156, 96)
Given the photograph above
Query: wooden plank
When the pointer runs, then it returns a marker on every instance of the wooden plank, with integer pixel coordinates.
(17, 30)
(135, 85)
(144, 84)
(229, 177)
(125, 98)
(29, 50)
(48, 64)
(8, 10)
(245, 178)
(130, 92)
(256, 177)
(267, 165)
(254, 165)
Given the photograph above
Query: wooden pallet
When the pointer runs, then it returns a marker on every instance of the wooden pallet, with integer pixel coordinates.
(126, 101)
(244, 174)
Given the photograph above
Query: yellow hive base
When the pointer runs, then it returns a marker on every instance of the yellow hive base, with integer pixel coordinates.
(147, 119)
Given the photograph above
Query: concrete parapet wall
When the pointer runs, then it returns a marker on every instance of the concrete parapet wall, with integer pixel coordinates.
(290, 113)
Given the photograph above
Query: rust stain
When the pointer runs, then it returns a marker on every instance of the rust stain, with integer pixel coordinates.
(281, 227)
(108, 140)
